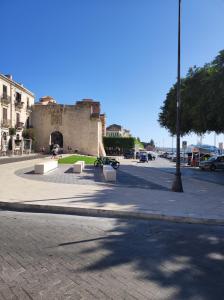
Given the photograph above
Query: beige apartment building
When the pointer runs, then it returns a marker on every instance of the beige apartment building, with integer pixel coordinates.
(15, 109)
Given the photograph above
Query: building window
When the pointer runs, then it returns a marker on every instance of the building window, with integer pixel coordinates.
(17, 118)
(4, 91)
(18, 97)
(5, 114)
(28, 123)
(28, 102)
(4, 136)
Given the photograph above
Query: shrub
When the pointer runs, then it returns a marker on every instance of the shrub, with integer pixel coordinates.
(29, 133)
(12, 131)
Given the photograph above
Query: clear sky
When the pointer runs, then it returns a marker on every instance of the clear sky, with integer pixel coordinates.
(120, 52)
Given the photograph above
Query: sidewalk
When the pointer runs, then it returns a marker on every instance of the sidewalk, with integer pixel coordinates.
(201, 203)
(15, 158)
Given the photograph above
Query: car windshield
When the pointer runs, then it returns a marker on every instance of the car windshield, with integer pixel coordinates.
(212, 159)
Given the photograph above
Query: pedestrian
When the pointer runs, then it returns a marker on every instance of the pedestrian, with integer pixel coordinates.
(54, 151)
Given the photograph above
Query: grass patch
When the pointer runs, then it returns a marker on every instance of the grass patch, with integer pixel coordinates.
(89, 160)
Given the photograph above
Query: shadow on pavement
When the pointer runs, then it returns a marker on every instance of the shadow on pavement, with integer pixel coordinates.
(187, 259)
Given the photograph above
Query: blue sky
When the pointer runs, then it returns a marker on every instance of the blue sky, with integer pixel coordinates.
(120, 52)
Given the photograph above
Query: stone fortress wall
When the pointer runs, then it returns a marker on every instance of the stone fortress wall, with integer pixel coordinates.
(79, 126)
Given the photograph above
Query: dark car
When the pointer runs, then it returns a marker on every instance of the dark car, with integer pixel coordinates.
(212, 163)
(150, 156)
(129, 154)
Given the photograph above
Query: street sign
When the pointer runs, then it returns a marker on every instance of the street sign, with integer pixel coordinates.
(184, 145)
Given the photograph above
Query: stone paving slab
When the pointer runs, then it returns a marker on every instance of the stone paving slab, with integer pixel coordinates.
(201, 201)
(89, 176)
(45, 256)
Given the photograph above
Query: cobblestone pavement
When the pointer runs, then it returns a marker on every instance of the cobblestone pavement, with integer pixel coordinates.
(90, 176)
(67, 257)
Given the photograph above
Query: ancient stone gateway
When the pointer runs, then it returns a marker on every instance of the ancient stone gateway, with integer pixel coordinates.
(56, 137)
(76, 128)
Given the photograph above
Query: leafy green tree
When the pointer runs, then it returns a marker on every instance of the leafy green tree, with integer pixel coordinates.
(118, 145)
(202, 100)
(152, 143)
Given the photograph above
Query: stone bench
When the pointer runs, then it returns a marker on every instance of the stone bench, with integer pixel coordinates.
(83, 164)
(78, 166)
(45, 166)
(109, 173)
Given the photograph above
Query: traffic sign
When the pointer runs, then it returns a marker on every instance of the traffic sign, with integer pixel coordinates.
(184, 145)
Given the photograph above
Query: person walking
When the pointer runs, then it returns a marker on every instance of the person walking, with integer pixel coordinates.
(54, 152)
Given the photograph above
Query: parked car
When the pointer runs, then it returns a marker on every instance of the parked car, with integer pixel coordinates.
(143, 157)
(170, 155)
(129, 154)
(212, 163)
(151, 156)
(163, 154)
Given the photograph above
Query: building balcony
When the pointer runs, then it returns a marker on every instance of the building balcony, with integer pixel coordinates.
(28, 108)
(19, 125)
(5, 123)
(19, 105)
(5, 99)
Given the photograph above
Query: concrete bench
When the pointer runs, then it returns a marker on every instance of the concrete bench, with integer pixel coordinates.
(78, 166)
(83, 164)
(109, 173)
(45, 166)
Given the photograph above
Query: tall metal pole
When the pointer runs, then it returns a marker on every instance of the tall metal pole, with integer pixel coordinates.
(177, 183)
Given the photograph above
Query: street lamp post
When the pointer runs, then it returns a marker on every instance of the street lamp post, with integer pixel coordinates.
(177, 183)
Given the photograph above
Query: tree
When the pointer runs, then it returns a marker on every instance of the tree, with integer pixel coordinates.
(118, 145)
(151, 143)
(202, 100)
(28, 133)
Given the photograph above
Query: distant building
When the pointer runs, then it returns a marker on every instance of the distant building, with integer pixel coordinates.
(115, 130)
(15, 109)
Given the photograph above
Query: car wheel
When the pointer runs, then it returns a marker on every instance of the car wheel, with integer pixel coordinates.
(213, 168)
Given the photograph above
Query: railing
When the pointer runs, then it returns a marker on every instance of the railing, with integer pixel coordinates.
(19, 105)
(19, 125)
(5, 123)
(5, 99)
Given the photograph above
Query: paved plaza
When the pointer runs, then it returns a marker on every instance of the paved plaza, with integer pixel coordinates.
(46, 256)
(141, 190)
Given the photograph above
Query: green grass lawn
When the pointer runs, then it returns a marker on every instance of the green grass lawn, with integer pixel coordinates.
(89, 160)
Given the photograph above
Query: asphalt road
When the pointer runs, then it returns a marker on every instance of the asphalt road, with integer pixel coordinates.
(169, 167)
(45, 256)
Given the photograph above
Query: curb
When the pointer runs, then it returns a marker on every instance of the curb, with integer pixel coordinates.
(91, 212)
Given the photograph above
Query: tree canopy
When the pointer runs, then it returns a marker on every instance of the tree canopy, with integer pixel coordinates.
(152, 143)
(202, 100)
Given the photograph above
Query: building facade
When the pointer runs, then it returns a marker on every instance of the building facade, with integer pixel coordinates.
(15, 109)
(75, 128)
(115, 130)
